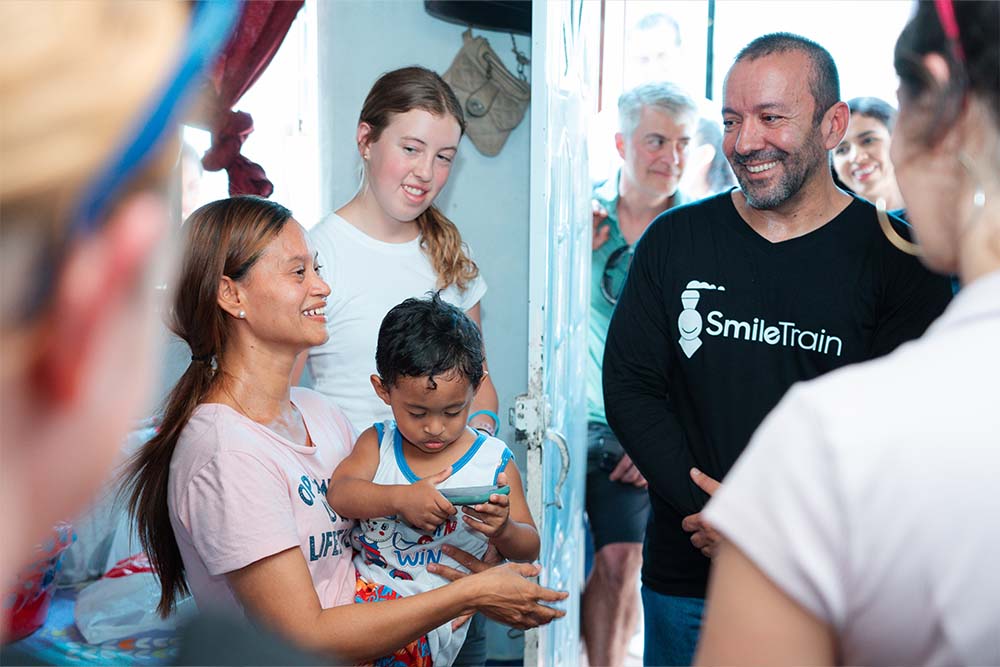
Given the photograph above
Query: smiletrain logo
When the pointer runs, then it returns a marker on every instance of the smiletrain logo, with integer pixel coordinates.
(689, 322)
(786, 334)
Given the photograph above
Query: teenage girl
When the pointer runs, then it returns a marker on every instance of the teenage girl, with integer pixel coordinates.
(390, 243)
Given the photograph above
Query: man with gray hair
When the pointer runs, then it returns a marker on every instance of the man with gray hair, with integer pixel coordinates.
(731, 300)
(656, 123)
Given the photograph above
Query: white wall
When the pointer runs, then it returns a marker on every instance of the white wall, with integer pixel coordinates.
(486, 197)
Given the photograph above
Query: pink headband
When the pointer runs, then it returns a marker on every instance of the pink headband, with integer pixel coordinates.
(946, 15)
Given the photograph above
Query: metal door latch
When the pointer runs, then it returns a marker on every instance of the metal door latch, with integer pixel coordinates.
(528, 419)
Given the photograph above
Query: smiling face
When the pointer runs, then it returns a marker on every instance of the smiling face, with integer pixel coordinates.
(770, 140)
(656, 151)
(429, 419)
(378, 529)
(409, 164)
(689, 324)
(284, 296)
(862, 158)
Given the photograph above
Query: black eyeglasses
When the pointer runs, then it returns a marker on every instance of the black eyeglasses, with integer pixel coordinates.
(615, 272)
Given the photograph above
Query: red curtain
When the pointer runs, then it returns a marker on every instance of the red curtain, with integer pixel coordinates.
(260, 31)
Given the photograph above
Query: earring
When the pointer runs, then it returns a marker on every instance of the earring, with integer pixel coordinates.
(909, 247)
(242, 315)
(979, 196)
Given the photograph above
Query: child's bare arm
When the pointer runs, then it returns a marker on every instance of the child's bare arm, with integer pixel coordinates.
(506, 519)
(352, 493)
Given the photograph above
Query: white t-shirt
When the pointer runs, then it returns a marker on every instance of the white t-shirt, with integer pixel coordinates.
(391, 553)
(367, 278)
(238, 492)
(870, 495)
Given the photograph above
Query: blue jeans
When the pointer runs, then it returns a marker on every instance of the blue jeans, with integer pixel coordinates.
(672, 626)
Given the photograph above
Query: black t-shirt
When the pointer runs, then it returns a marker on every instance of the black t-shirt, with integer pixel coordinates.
(715, 323)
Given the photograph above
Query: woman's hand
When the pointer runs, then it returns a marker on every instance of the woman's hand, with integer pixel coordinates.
(504, 592)
(421, 505)
(490, 558)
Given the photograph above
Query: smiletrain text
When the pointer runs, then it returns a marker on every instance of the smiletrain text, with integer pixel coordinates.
(786, 334)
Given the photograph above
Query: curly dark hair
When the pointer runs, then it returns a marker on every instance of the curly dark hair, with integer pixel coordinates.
(428, 338)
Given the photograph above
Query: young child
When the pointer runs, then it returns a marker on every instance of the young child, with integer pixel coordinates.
(429, 359)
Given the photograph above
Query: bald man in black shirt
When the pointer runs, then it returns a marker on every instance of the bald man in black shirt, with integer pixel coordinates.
(731, 300)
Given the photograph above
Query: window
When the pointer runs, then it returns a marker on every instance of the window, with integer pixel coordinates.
(284, 141)
(646, 40)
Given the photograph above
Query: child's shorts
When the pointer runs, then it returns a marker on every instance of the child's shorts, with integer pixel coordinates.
(417, 653)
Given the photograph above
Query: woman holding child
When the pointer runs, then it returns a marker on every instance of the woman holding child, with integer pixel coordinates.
(231, 491)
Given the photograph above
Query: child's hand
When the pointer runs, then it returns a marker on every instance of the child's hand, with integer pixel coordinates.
(422, 506)
(493, 517)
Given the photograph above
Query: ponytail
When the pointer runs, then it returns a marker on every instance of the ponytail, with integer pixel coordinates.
(223, 238)
(443, 244)
(147, 483)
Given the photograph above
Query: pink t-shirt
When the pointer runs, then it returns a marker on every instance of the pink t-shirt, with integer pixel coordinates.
(238, 492)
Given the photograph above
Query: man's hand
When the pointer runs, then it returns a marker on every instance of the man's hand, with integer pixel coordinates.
(627, 473)
(602, 230)
(703, 537)
(422, 506)
(704, 482)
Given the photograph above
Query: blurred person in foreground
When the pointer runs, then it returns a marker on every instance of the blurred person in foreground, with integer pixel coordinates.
(861, 523)
(91, 94)
(82, 222)
(90, 98)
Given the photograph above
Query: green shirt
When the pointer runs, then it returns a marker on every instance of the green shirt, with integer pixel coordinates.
(606, 194)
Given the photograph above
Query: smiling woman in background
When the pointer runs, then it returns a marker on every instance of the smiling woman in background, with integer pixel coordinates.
(861, 161)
